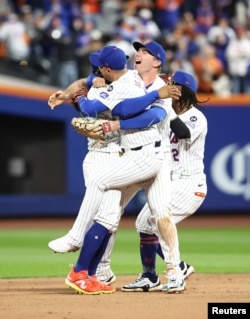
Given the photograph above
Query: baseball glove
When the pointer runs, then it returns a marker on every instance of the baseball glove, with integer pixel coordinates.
(98, 129)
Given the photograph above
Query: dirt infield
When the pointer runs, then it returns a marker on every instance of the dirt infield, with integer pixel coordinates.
(50, 298)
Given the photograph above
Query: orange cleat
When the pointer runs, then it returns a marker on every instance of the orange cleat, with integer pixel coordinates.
(103, 287)
(82, 283)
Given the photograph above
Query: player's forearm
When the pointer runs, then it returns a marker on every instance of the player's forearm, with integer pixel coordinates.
(91, 107)
(75, 86)
(143, 120)
(133, 106)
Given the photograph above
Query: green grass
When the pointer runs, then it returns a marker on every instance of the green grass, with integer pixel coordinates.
(24, 253)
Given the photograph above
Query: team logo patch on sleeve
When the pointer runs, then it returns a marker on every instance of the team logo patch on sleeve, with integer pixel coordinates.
(193, 118)
(104, 95)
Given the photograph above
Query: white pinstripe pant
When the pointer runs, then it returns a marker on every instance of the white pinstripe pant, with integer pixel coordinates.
(187, 195)
(134, 167)
(105, 174)
(91, 163)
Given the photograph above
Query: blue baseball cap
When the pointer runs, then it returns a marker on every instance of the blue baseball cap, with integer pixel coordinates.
(185, 79)
(153, 48)
(110, 56)
(91, 58)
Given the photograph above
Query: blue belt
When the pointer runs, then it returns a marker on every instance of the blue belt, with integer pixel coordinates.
(157, 144)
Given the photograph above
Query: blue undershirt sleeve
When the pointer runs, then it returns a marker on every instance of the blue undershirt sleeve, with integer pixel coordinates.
(134, 106)
(145, 119)
(89, 80)
(91, 107)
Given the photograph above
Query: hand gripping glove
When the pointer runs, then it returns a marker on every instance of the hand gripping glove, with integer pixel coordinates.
(91, 127)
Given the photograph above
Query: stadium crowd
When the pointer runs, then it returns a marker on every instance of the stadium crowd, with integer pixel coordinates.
(53, 38)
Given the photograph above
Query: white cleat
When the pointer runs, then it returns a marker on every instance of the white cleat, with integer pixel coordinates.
(62, 245)
(175, 285)
(110, 280)
(175, 281)
(143, 284)
(186, 269)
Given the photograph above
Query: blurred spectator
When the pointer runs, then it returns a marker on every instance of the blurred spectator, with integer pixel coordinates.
(238, 59)
(219, 36)
(205, 16)
(91, 11)
(39, 46)
(146, 28)
(26, 16)
(220, 44)
(188, 24)
(222, 27)
(186, 29)
(111, 14)
(167, 14)
(84, 35)
(35, 4)
(3, 51)
(190, 6)
(137, 5)
(241, 7)
(189, 29)
(127, 28)
(208, 68)
(182, 41)
(199, 41)
(64, 9)
(118, 41)
(180, 62)
(6, 7)
(15, 37)
(225, 7)
(89, 39)
(222, 85)
(62, 42)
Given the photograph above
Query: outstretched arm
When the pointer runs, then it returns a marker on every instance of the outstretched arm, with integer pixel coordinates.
(143, 120)
(62, 96)
(133, 106)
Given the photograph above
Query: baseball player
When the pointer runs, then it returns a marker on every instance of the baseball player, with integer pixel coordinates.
(144, 48)
(98, 154)
(189, 186)
(133, 159)
(150, 153)
(161, 194)
(73, 240)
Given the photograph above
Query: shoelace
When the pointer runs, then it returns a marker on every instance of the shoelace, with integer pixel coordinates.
(137, 280)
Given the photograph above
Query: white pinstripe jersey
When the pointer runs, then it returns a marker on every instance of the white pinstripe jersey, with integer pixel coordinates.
(113, 143)
(163, 126)
(129, 85)
(188, 154)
